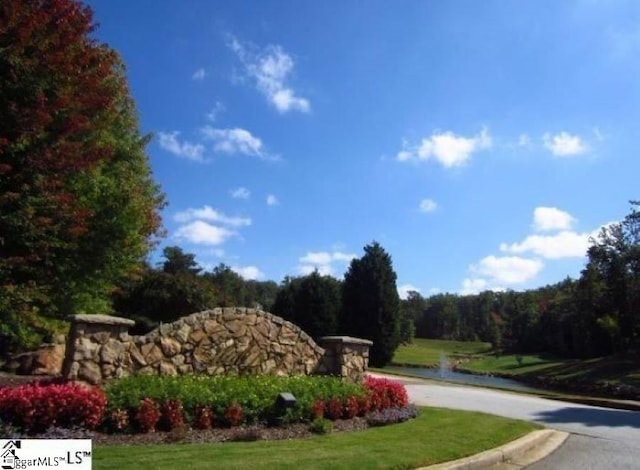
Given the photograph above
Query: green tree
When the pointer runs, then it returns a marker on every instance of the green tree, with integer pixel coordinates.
(177, 261)
(165, 295)
(231, 288)
(78, 206)
(370, 303)
(285, 301)
(262, 294)
(615, 257)
(411, 311)
(311, 302)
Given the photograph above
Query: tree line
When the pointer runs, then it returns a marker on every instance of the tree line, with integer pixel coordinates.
(594, 315)
(365, 304)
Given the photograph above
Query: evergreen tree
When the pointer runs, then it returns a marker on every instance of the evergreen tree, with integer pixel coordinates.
(312, 302)
(177, 261)
(370, 303)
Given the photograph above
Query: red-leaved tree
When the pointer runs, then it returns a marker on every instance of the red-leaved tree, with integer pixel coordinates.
(78, 206)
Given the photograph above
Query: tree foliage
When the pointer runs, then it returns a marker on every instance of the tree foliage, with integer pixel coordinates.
(78, 206)
(159, 296)
(370, 303)
(597, 314)
(312, 302)
(177, 261)
(411, 309)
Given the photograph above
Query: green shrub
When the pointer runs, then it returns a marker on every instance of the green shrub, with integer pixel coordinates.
(255, 395)
(321, 426)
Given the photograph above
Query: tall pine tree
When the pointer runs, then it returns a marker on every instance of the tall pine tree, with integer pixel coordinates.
(371, 305)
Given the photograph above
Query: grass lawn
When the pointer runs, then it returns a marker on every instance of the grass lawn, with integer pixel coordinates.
(508, 364)
(437, 435)
(622, 368)
(426, 352)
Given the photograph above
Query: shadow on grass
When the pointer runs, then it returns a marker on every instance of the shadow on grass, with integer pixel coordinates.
(526, 364)
(591, 417)
(623, 369)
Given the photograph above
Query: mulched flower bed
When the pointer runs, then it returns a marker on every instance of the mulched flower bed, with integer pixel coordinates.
(234, 434)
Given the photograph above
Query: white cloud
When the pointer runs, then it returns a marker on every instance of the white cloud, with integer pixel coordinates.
(565, 144)
(323, 261)
(404, 155)
(270, 69)
(169, 142)
(551, 218)
(272, 200)
(240, 193)
(448, 149)
(202, 233)
(211, 215)
(428, 205)
(507, 269)
(199, 74)
(217, 109)
(236, 140)
(403, 290)
(249, 273)
(340, 256)
(321, 257)
(472, 286)
(565, 244)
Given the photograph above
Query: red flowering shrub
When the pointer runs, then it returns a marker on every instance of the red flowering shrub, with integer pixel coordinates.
(351, 407)
(233, 415)
(172, 415)
(37, 406)
(364, 405)
(148, 415)
(386, 393)
(317, 409)
(334, 408)
(119, 419)
(203, 418)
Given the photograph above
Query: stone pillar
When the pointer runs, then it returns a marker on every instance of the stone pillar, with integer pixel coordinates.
(96, 348)
(345, 356)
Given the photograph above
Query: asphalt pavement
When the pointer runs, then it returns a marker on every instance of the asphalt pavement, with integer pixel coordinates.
(601, 438)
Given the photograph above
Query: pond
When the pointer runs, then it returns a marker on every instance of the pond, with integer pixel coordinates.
(448, 375)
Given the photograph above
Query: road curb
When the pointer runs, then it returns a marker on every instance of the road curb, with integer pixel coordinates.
(516, 454)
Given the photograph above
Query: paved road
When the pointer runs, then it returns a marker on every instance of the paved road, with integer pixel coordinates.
(601, 438)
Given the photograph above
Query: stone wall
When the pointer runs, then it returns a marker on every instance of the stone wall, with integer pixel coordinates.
(346, 356)
(218, 341)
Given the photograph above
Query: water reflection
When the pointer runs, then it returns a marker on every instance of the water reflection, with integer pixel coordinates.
(444, 372)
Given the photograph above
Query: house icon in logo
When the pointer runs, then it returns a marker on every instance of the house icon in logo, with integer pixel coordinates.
(8, 455)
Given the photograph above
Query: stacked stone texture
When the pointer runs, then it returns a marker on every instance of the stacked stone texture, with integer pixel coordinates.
(218, 341)
(346, 356)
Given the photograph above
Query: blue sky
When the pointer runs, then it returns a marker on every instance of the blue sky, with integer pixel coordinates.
(481, 143)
